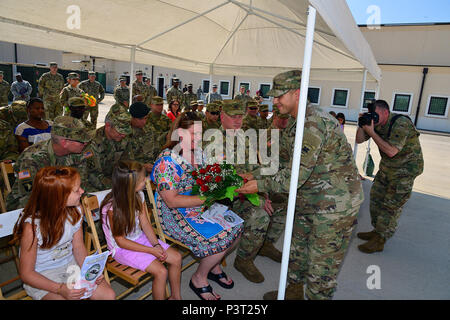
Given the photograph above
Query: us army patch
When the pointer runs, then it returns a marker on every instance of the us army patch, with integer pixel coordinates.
(24, 174)
(88, 154)
(306, 149)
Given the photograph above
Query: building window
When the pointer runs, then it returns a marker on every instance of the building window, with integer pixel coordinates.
(437, 106)
(402, 103)
(245, 84)
(205, 86)
(264, 88)
(314, 95)
(224, 88)
(368, 95)
(340, 98)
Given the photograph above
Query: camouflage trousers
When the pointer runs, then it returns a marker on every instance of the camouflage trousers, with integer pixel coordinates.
(93, 111)
(388, 195)
(319, 243)
(53, 108)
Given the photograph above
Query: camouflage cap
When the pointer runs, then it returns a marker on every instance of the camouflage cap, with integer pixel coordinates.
(19, 109)
(264, 108)
(252, 103)
(51, 64)
(73, 75)
(139, 72)
(278, 114)
(194, 103)
(200, 103)
(91, 73)
(70, 128)
(284, 82)
(233, 107)
(123, 78)
(120, 120)
(157, 100)
(77, 102)
(212, 107)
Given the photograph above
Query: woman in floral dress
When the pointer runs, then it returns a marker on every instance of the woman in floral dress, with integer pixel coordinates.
(180, 212)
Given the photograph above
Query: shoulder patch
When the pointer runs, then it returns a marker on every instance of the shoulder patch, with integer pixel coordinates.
(24, 174)
(87, 154)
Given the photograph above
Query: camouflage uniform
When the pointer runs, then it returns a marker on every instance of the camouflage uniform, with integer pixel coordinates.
(111, 151)
(213, 96)
(9, 149)
(394, 180)
(144, 145)
(244, 98)
(175, 93)
(210, 107)
(50, 87)
(189, 97)
(139, 87)
(96, 90)
(328, 198)
(250, 122)
(122, 94)
(4, 91)
(42, 154)
(70, 92)
(14, 114)
(263, 123)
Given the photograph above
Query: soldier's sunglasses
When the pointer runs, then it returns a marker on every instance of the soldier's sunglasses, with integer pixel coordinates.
(215, 113)
(253, 108)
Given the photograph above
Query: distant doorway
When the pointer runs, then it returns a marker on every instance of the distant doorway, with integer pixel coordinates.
(161, 87)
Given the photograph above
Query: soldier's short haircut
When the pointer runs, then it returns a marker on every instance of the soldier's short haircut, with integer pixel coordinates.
(382, 104)
(34, 100)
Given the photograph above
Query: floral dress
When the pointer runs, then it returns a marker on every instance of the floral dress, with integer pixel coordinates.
(172, 172)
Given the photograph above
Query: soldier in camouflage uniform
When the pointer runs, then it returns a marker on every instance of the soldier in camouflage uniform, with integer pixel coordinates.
(157, 121)
(111, 141)
(49, 86)
(14, 114)
(401, 162)
(251, 119)
(70, 91)
(77, 108)
(153, 91)
(211, 117)
(67, 147)
(140, 88)
(4, 90)
(324, 216)
(122, 93)
(263, 122)
(242, 96)
(213, 96)
(174, 92)
(95, 89)
(189, 96)
(9, 149)
(199, 112)
(143, 140)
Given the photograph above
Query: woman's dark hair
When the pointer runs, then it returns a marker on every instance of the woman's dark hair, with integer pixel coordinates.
(34, 100)
(184, 121)
(179, 107)
(340, 115)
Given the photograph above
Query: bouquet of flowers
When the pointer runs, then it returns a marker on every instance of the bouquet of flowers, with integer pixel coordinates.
(91, 101)
(219, 181)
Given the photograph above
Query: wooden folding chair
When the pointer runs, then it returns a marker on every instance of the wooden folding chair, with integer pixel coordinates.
(7, 222)
(132, 276)
(149, 187)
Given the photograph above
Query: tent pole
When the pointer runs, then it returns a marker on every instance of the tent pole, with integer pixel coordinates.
(363, 89)
(132, 59)
(297, 149)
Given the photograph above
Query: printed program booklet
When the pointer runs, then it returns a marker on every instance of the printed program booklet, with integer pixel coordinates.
(219, 213)
(92, 268)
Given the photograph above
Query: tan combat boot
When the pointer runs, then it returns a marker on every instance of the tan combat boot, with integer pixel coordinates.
(248, 269)
(376, 244)
(366, 235)
(294, 291)
(269, 250)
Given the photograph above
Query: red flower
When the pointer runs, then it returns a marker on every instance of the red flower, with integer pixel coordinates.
(208, 178)
(204, 188)
(218, 170)
(218, 179)
(208, 167)
(202, 171)
(194, 173)
(245, 180)
(200, 182)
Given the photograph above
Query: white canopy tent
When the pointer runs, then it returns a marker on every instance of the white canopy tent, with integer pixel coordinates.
(220, 37)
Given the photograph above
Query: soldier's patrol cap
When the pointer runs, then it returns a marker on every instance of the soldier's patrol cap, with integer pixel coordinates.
(139, 110)
(70, 128)
(73, 75)
(157, 100)
(18, 74)
(276, 112)
(212, 107)
(200, 102)
(194, 103)
(251, 103)
(264, 108)
(283, 82)
(242, 86)
(214, 85)
(91, 73)
(233, 107)
(1, 73)
(77, 102)
(138, 72)
(120, 120)
(189, 85)
(51, 64)
(176, 80)
(123, 78)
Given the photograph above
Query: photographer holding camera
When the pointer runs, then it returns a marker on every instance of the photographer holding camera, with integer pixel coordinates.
(401, 162)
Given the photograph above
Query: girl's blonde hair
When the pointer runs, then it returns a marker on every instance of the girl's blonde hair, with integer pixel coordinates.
(123, 196)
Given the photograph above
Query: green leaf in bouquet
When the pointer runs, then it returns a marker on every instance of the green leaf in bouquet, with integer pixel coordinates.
(253, 198)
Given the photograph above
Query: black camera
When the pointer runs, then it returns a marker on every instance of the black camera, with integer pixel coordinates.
(367, 117)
